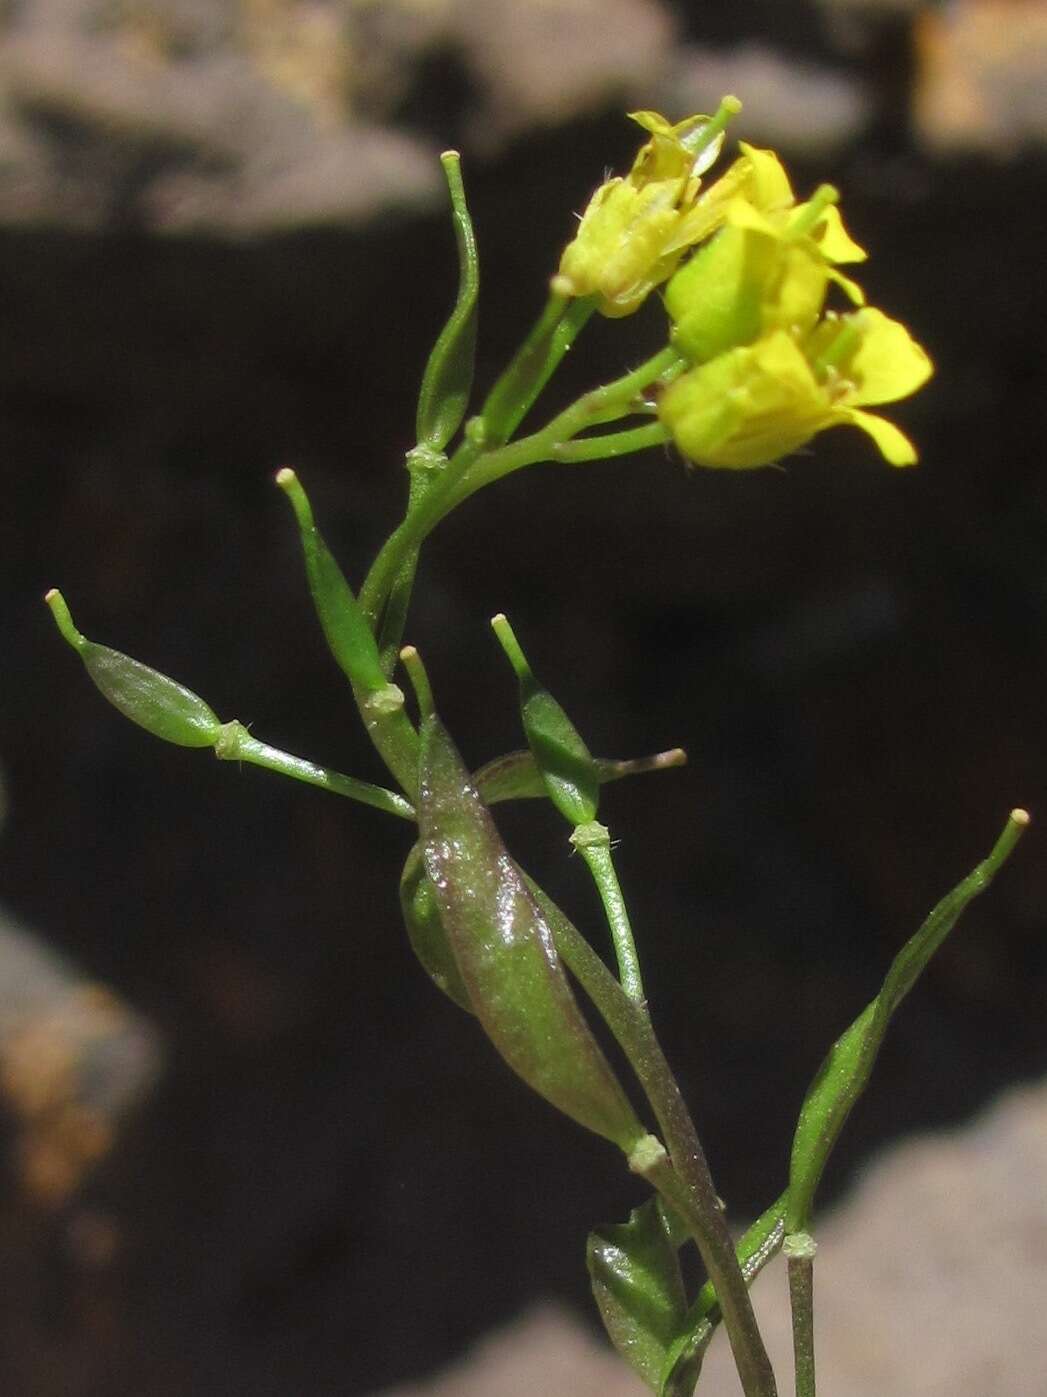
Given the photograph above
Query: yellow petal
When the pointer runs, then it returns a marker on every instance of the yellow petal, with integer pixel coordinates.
(833, 240)
(895, 446)
(768, 184)
(888, 364)
(850, 288)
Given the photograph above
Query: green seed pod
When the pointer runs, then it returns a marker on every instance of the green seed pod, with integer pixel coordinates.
(162, 706)
(448, 378)
(503, 944)
(568, 771)
(425, 930)
(349, 637)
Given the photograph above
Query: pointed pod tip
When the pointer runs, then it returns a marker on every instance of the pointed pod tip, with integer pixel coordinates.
(412, 662)
(289, 483)
(514, 654)
(63, 618)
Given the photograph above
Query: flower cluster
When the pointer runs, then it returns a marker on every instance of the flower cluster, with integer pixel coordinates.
(768, 365)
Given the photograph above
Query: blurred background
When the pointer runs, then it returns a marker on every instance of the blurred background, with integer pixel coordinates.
(247, 1146)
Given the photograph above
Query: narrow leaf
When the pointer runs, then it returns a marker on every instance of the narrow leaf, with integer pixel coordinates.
(448, 378)
(844, 1074)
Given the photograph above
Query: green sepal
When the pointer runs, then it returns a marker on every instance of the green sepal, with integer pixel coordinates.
(349, 636)
(161, 705)
(568, 771)
(845, 1072)
(760, 1242)
(448, 378)
(638, 1287)
(503, 944)
(425, 930)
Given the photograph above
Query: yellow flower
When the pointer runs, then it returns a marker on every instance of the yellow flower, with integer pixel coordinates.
(634, 231)
(756, 403)
(767, 268)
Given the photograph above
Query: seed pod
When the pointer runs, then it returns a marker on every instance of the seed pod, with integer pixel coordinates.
(448, 378)
(161, 705)
(503, 944)
(568, 771)
(349, 637)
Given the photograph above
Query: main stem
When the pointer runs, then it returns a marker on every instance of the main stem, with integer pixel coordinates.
(631, 1026)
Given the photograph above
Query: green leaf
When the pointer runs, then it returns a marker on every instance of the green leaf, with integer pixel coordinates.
(503, 944)
(636, 1280)
(448, 378)
(161, 705)
(844, 1074)
(426, 932)
(567, 769)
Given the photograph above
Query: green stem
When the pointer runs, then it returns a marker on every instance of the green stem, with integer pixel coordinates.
(611, 444)
(593, 842)
(631, 1027)
(474, 465)
(423, 514)
(236, 744)
(534, 363)
(612, 400)
(800, 1248)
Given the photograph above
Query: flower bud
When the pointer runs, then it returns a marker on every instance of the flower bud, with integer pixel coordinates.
(635, 230)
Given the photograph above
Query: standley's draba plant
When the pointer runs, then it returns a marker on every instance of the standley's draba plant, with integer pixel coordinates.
(756, 363)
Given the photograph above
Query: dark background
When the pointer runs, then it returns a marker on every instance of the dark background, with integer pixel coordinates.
(336, 1183)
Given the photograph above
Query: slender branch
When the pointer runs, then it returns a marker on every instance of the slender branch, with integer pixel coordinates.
(593, 842)
(799, 1248)
(611, 444)
(236, 744)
